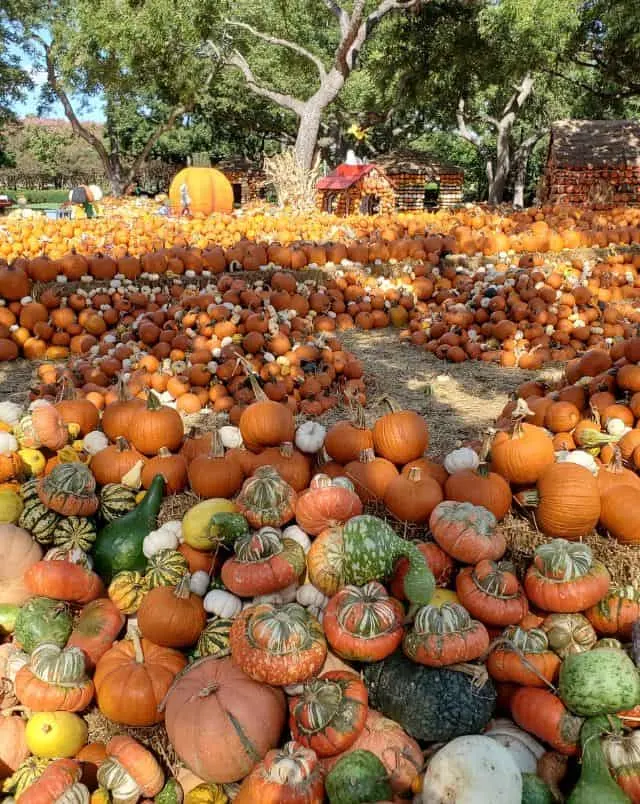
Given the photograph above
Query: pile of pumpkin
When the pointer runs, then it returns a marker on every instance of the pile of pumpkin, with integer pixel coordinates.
(295, 647)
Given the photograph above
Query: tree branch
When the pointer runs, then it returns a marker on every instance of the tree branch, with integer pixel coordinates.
(463, 129)
(274, 40)
(287, 101)
(340, 14)
(58, 90)
(519, 97)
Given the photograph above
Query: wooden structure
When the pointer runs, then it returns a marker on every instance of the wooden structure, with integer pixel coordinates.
(247, 179)
(421, 181)
(593, 162)
(356, 190)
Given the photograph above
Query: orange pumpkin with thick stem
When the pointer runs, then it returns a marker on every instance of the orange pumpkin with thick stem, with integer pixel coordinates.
(96, 629)
(63, 580)
(521, 455)
(523, 657)
(619, 514)
(156, 426)
(288, 775)
(212, 474)
(132, 678)
(480, 487)
(492, 593)
(110, 465)
(172, 618)
(220, 721)
(118, 416)
(172, 467)
(371, 476)
(265, 423)
(412, 497)
(292, 465)
(81, 412)
(401, 435)
(541, 713)
(345, 440)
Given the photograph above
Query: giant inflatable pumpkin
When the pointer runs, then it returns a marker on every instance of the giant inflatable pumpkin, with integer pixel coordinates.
(209, 191)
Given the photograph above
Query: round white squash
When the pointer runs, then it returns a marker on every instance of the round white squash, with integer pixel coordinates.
(523, 747)
(472, 770)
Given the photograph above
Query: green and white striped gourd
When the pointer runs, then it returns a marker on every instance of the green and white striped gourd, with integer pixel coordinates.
(214, 639)
(40, 521)
(166, 568)
(75, 532)
(116, 500)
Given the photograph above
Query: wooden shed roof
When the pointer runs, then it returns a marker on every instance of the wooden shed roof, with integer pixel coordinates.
(410, 161)
(594, 143)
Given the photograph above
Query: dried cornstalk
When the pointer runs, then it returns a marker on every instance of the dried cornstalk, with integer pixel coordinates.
(295, 186)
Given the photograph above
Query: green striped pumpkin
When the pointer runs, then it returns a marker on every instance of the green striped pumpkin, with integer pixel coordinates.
(166, 568)
(116, 500)
(29, 490)
(214, 639)
(40, 521)
(75, 531)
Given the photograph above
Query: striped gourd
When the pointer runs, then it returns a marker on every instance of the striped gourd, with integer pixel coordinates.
(29, 490)
(116, 500)
(75, 531)
(214, 639)
(39, 520)
(166, 568)
(127, 589)
(24, 775)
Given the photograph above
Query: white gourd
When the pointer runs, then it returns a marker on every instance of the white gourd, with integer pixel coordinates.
(10, 412)
(222, 603)
(579, 457)
(309, 595)
(525, 750)
(230, 437)
(161, 539)
(310, 436)
(617, 428)
(472, 770)
(199, 583)
(95, 442)
(298, 535)
(8, 443)
(460, 459)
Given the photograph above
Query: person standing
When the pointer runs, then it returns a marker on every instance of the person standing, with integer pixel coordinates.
(185, 199)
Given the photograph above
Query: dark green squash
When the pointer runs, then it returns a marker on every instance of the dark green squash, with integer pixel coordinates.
(43, 620)
(431, 704)
(357, 778)
(596, 785)
(225, 528)
(535, 791)
(119, 544)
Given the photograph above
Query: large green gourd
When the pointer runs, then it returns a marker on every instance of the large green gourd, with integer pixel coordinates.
(356, 778)
(119, 544)
(371, 550)
(596, 785)
(43, 620)
(431, 704)
(599, 682)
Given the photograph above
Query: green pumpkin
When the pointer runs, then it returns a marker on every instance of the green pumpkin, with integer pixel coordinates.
(119, 544)
(599, 682)
(596, 785)
(225, 528)
(356, 778)
(8, 617)
(43, 620)
(431, 704)
(40, 521)
(214, 639)
(171, 793)
(166, 568)
(116, 500)
(75, 532)
(535, 791)
(371, 549)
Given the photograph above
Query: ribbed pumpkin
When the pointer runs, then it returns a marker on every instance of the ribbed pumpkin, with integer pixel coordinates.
(523, 657)
(75, 532)
(412, 497)
(54, 679)
(371, 475)
(156, 426)
(120, 415)
(214, 639)
(346, 440)
(214, 475)
(110, 465)
(81, 412)
(444, 635)
(172, 467)
(401, 435)
(325, 505)
(619, 515)
(166, 568)
(265, 423)
(116, 500)
(480, 487)
(266, 499)
(288, 775)
(466, 532)
(69, 490)
(172, 617)
(522, 455)
(616, 613)
(208, 191)
(492, 593)
(127, 589)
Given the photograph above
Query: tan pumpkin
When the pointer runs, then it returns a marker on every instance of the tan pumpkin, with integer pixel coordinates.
(18, 552)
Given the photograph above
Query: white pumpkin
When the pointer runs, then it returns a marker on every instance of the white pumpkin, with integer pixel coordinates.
(161, 539)
(617, 428)
(230, 437)
(459, 459)
(95, 442)
(525, 750)
(579, 457)
(472, 770)
(8, 443)
(298, 535)
(309, 595)
(199, 583)
(222, 603)
(310, 436)
(10, 412)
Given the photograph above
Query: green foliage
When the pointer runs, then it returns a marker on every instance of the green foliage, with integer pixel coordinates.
(40, 196)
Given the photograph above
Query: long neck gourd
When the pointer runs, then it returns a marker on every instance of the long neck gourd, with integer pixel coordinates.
(371, 549)
(596, 785)
(119, 544)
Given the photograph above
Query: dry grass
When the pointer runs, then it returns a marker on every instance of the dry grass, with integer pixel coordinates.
(15, 380)
(295, 186)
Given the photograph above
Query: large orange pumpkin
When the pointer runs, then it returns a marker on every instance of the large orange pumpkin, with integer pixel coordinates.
(209, 191)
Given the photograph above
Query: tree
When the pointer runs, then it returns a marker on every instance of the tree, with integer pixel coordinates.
(140, 56)
(356, 27)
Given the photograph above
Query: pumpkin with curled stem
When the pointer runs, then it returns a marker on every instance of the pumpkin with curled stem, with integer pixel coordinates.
(288, 774)
(565, 577)
(55, 679)
(329, 713)
(523, 657)
(266, 499)
(69, 489)
(278, 645)
(444, 635)
(263, 563)
(492, 593)
(363, 623)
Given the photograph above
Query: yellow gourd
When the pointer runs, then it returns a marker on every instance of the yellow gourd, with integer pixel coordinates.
(55, 734)
(34, 460)
(195, 524)
(100, 796)
(441, 596)
(10, 506)
(207, 794)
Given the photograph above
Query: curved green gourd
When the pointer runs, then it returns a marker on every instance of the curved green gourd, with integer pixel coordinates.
(357, 777)
(119, 544)
(596, 783)
(372, 549)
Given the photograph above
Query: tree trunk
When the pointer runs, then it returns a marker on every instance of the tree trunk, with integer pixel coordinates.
(521, 162)
(307, 138)
(502, 167)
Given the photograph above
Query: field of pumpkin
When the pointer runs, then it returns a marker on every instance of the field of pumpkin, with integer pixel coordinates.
(293, 600)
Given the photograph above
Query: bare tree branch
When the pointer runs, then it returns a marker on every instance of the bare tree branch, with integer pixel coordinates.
(287, 101)
(523, 90)
(274, 40)
(340, 14)
(463, 129)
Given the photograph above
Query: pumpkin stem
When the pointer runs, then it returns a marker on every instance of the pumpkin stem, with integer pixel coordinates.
(183, 589)
(478, 672)
(358, 417)
(518, 415)
(393, 406)
(153, 401)
(137, 645)
(367, 455)
(122, 444)
(415, 474)
(286, 449)
(216, 450)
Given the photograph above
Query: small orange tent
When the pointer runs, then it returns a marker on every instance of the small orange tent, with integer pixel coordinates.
(208, 190)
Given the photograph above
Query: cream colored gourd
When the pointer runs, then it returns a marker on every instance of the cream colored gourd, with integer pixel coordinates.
(230, 437)
(310, 436)
(222, 603)
(164, 538)
(199, 583)
(472, 770)
(460, 459)
(525, 750)
(10, 412)
(94, 442)
(308, 595)
(580, 457)
(8, 443)
(298, 535)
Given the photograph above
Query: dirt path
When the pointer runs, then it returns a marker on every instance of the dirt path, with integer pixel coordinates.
(458, 400)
